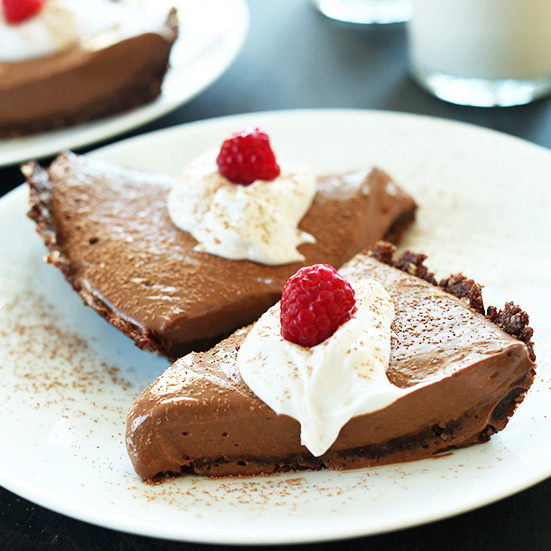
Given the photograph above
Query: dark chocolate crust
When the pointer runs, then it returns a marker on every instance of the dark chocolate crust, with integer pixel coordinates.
(512, 319)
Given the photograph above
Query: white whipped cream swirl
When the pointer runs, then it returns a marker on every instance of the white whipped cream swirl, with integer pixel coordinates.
(63, 23)
(324, 386)
(258, 222)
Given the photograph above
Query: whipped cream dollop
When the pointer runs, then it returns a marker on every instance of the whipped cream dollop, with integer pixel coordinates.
(258, 222)
(324, 386)
(62, 23)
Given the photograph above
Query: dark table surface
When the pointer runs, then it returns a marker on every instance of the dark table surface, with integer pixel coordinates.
(295, 58)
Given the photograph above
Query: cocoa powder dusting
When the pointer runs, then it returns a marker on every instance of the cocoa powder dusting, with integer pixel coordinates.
(48, 363)
(512, 319)
(288, 491)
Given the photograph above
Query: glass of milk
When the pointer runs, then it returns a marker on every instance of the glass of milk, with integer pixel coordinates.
(365, 11)
(482, 52)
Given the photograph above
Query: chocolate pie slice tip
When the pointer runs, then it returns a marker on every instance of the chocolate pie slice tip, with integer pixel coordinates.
(464, 369)
(107, 228)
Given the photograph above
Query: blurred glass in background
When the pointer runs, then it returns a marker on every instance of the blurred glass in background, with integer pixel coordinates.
(482, 52)
(365, 11)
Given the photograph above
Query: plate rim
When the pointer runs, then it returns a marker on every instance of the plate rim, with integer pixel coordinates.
(315, 112)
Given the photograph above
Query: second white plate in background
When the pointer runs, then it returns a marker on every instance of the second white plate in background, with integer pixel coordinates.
(211, 35)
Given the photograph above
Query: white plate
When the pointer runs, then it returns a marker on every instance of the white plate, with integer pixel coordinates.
(67, 378)
(212, 33)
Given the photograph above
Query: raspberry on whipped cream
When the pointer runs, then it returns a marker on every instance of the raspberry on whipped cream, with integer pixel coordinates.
(315, 302)
(326, 385)
(17, 11)
(247, 156)
(257, 222)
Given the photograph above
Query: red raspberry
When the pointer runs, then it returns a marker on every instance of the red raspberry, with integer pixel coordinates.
(246, 157)
(17, 11)
(316, 301)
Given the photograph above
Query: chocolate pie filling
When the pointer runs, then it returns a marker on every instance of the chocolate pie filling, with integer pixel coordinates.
(108, 230)
(475, 364)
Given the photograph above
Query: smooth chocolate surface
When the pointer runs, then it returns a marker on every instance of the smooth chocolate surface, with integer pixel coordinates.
(108, 229)
(199, 416)
(80, 84)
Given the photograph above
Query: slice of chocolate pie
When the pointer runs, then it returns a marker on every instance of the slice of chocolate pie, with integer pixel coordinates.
(73, 62)
(109, 231)
(459, 372)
